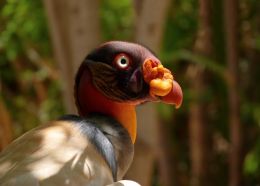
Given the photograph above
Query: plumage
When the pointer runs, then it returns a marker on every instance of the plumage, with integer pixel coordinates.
(96, 147)
(68, 151)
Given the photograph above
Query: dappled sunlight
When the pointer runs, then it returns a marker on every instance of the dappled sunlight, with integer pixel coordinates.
(5, 166)
(67, 160)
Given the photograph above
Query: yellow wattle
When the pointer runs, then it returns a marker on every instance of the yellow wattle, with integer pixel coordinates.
(126, 115)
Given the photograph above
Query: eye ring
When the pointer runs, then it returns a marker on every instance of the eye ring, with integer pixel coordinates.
(122, 61)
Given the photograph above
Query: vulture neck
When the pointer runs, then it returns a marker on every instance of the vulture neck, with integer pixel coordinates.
(90, 100)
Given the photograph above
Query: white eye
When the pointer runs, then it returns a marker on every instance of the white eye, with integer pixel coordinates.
(122, 61)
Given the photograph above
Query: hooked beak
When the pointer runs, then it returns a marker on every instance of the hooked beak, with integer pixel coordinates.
(161, 82)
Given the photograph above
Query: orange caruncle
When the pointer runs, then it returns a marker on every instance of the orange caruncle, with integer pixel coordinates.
(159, 78)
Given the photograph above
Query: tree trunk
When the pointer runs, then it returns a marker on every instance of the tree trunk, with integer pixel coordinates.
(6, 133)
(150, 21)
(75, 30)
(197, 124)
(235, 154)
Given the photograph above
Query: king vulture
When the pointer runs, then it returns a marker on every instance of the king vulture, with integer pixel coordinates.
(94, 148)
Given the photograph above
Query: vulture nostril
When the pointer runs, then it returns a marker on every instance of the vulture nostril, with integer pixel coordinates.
(136, 81)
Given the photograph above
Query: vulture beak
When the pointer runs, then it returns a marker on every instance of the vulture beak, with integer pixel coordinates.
(161, 82)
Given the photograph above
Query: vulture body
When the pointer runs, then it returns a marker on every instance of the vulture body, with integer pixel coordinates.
(96, 147)
(69, 151)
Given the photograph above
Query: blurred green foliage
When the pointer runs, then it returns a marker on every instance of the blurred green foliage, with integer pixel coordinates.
(117, 19)
(181, 26)
(23, 25)
(25, 52)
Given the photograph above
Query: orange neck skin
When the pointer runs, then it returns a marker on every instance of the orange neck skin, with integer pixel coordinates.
(92, 101)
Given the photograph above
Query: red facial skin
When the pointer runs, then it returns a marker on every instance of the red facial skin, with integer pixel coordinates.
(162, 87)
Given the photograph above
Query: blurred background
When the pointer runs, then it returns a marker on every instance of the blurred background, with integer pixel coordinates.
(212, 47)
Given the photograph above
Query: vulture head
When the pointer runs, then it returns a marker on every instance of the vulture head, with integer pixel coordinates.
(117, 76)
